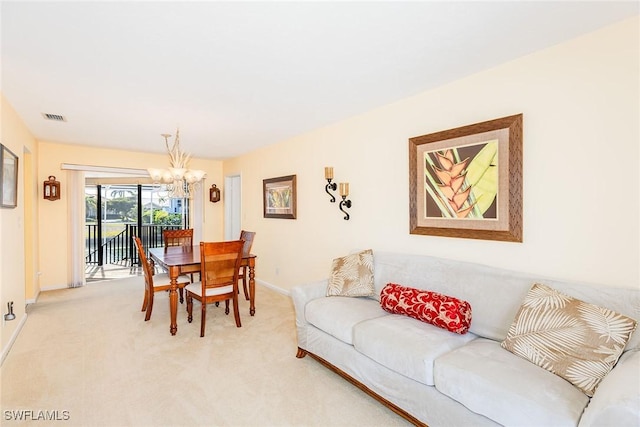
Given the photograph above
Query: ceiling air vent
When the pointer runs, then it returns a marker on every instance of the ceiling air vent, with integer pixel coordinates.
(54, 117)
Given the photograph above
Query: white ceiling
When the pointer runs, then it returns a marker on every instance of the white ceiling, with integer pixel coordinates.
(235, 76)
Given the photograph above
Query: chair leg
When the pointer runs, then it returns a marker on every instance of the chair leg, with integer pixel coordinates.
(204, 317)
(226, 306)
(149, 306)
(236, 310)
(244, 283)
(181, 295)
(180, 289)
(189, 308)
(146, 300)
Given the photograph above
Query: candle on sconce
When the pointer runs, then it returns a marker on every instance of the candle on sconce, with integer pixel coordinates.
(344, 189)
(328, 172)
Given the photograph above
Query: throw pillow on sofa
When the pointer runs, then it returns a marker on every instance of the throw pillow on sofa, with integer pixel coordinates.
(437, 309)
(352, 275)
(575, 340)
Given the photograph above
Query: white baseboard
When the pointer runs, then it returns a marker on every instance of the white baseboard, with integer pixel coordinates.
(5, 351)
(273, 287)
(54, 288)
(33, 300)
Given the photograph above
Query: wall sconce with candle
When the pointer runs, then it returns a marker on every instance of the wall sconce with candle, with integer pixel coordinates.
(51, 188)
(214, 194)
(328, 175)
(344, 192)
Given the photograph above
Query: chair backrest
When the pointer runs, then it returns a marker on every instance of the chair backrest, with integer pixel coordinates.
(219, 263)
(146, 266)
(178, 237)
(247, 237)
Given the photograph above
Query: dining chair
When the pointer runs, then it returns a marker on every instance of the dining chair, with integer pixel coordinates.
(150, 287)
(219, 266)
(181, 237)
(247, 237)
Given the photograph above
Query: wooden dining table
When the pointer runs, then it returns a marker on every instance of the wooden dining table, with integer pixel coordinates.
(179, 260)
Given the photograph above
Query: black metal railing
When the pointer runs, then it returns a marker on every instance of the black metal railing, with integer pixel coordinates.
(120, 248)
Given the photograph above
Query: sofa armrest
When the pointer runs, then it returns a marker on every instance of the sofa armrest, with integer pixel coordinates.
(301, 295)
(617, 398)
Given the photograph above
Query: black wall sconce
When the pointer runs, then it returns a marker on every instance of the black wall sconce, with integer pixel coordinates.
(344, 192)
(214, 194)
(328, 175)
(51, 188)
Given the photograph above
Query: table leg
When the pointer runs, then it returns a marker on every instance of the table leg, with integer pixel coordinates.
(174, 272)
(252, 287)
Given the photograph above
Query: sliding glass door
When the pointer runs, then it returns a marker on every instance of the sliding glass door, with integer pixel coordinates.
(117, 212)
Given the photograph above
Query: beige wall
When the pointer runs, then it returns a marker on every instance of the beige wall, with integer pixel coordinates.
(54, 227)
(581, 136)
(581, 184)
(17, 234)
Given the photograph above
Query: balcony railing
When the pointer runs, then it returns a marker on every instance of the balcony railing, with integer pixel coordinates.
(120, 248)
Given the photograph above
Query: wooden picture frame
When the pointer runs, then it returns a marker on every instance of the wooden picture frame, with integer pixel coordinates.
(279, 197)
(8, 178)
(467, 182)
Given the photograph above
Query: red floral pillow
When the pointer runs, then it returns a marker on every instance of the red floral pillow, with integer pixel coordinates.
(439, 310)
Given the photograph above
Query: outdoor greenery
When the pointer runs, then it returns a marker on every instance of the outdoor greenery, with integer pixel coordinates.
(161, 218)
(125, 209)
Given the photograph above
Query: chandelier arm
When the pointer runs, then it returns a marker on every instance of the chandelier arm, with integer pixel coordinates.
(180, 181)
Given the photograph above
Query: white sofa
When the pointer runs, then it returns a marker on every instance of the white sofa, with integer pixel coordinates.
(432, 376)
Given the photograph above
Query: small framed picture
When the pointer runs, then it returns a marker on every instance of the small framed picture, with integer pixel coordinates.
(9, 178)
(279, 197)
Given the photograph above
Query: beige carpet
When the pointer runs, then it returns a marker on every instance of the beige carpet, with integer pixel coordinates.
(88, 352)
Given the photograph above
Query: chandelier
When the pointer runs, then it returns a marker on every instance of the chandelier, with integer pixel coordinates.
(180, 181)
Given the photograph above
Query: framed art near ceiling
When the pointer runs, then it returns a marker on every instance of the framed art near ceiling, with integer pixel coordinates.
(9, 178)
(467, 182)
(279, 197)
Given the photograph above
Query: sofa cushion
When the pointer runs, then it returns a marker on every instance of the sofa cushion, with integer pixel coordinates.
(578, 341)
(405, 345)
(493, 382)
(338, 315)
(494, 293)
(437, 309)
(352, 275)
(617, 400)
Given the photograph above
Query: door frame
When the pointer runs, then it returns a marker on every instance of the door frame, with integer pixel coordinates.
(232, 206)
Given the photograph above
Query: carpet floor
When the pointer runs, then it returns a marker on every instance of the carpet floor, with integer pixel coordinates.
(86, 357)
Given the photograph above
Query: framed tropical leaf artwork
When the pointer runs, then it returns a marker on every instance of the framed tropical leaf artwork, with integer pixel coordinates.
(467, 182)
(279, 197)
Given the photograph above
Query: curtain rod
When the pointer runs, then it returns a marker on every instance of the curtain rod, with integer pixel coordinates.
(106, 169)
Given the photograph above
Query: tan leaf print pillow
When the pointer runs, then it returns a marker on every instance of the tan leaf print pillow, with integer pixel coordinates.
(575, 340)
(352, 275)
